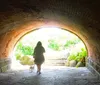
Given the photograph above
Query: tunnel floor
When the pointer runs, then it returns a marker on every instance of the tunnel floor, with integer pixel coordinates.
(53, 75)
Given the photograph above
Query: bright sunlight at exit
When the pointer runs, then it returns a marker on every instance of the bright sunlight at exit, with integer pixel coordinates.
(63, 48)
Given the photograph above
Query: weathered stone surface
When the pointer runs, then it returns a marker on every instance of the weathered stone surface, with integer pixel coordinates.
(72, 63)
(94, 67)
(4, 65)
(80, 64)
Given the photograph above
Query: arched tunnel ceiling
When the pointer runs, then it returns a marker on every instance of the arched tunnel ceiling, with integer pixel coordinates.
(80, 16)
(82, 12)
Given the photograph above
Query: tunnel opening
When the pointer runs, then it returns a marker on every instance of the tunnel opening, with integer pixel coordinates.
(63, 48)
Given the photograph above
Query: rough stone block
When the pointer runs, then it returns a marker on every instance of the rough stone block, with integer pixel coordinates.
(93, 67)
(73, 63)
(4, 65)
(4, 68)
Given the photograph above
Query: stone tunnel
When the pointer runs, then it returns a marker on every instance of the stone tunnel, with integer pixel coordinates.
(19, 17)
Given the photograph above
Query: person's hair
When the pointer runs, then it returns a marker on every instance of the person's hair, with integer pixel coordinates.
(39, 43)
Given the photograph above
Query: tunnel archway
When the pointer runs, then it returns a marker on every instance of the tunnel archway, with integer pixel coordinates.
(75, 16)
(16, 34)
(48, 34)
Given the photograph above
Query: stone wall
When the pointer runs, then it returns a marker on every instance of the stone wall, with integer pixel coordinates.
(93, 66)
(4, 65)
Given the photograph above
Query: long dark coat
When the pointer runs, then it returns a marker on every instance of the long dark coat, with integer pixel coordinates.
(38, 54)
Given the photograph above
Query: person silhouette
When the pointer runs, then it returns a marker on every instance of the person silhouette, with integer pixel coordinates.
(38, 56)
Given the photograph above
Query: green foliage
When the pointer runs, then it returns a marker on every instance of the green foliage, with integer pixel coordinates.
(78, 56)
(72, 57)
(81, 54)
(23, 50)
(53, 45)
(18, 56)
(68, 43)
(71, 42)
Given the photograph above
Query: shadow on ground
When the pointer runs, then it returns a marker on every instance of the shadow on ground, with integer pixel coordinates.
(51, 75)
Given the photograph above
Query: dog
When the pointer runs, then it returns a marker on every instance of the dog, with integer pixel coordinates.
(31, 68)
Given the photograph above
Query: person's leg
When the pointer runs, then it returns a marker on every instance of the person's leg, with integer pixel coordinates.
(39, 68)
